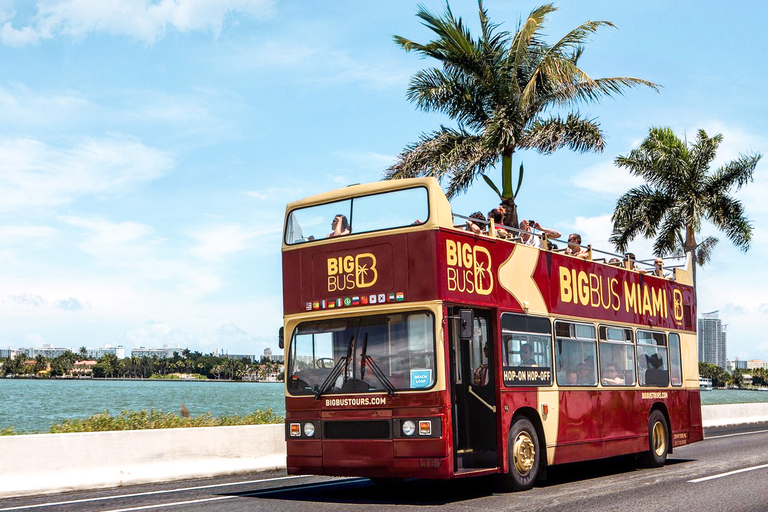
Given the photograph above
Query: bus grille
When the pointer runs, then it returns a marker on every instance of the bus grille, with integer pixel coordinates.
(357, 430)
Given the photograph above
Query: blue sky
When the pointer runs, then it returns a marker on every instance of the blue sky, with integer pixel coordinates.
(148, 149)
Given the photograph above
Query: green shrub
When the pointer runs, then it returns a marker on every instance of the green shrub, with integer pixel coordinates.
(154, 419)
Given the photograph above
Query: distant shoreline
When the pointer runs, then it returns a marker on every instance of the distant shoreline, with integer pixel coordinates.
(134, 379)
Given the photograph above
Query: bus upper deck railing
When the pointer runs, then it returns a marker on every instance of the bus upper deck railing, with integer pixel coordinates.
(626, 261)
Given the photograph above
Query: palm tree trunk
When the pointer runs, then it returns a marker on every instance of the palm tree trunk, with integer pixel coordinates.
(508, 197)
(690, 249)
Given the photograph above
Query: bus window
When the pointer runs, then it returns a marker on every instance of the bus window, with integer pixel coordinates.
(617, 356)
(314, 223)
(363, 354)
(527, 355)
(575, 352)
(675, 368)
(652, 358)
(374, 212)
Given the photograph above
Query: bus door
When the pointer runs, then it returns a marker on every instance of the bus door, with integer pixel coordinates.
(473, 390)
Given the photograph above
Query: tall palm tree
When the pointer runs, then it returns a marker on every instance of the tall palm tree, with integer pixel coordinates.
(679, 192)
(499, 88)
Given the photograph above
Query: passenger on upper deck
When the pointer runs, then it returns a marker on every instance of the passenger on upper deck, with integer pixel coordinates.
(497, 216)
(477, 227)
(527, 227)
(340, 226)
(574, 247)
(658, 269)
(629, 261)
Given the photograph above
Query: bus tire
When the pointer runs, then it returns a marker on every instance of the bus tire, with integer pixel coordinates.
(524, 456)
(658, 440)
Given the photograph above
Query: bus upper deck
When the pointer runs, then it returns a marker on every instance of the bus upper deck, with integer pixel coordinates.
(405, 245)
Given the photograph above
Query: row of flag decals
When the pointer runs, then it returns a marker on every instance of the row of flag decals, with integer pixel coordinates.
(355, 300)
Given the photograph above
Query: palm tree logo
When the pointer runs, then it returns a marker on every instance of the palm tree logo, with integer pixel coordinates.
(677, 297)
(366, 274)
(482, 270)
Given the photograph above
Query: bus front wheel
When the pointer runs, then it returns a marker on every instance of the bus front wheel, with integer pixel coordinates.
(524, 456)
(658, 440)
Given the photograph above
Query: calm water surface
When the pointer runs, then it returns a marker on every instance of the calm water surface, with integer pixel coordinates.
(35, 405)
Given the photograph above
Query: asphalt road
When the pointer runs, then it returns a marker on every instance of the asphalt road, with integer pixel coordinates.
(726, 471)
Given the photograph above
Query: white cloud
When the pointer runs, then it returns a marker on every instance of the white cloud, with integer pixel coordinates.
(215, 242)
(112, 242)
(33, 173)
(12, 234)
(317, 63)
(605, 178)
(144, 20)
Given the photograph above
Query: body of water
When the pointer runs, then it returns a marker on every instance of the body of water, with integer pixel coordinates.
(732, 396)
(30, 405)
(34, 405)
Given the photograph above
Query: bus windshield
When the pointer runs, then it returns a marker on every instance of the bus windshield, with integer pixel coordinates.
(363, 354)
(364, 214)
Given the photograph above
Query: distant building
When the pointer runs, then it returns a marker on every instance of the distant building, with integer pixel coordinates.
(242, 357)
(99, 352)
(82, 369)
(269, 356)
(712, 341)
(47, 351)
(161, 353)
(754, 364)
(737, 365)
(8, 352)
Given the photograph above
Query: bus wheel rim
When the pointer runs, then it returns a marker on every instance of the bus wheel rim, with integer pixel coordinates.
(659, 439)
(524, 453)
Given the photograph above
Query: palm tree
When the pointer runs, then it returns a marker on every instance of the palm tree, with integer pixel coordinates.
(680, 191)
(499, 88)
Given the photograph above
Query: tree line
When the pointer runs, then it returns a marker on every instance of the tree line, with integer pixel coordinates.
(109, 366)
(721, 378)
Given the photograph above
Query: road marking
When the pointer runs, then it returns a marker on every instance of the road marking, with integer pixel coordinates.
(721, 475)
(160, 505)
(148, 493)
(738, 434)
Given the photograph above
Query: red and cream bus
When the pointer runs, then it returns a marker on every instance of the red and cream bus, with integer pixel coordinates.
(417, 349)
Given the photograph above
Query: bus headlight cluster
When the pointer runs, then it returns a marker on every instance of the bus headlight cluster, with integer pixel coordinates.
(308, 428)
(409, 427)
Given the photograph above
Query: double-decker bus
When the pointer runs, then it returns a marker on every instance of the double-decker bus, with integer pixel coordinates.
(415, 348)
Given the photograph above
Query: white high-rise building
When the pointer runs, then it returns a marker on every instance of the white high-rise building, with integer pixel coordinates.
(712, 339)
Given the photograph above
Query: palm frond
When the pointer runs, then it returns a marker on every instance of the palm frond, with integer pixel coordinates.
(574, 132)
(735, 173)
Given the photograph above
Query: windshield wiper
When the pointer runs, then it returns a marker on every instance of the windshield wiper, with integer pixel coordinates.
(368, 360)
(335, 371)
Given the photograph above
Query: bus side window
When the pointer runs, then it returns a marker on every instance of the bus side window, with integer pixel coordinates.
(576, 352)
(652, 358)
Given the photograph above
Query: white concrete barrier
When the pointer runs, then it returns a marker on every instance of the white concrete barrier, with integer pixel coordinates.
(45, 463)
(733, 414)
(40, 463)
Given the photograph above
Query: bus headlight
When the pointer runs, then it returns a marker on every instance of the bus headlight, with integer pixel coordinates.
(409, 428)
(309, 429)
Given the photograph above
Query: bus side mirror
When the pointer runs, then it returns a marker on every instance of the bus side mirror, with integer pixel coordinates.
(280, 341)
(467, 320)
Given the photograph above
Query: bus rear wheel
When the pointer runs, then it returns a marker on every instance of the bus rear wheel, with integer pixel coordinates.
(524, 456)
(658, 440)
